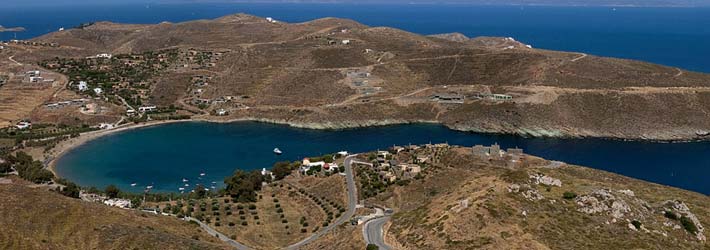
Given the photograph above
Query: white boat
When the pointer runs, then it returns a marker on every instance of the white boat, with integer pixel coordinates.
(134, 184)
(202, 174)
(149, 187)
(184, 180)
(277, 151)
(187, 185)
(181, 189)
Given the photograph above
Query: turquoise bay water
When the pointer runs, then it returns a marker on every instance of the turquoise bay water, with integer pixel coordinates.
(163, 155)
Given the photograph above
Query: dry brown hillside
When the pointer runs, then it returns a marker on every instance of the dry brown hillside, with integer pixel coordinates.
(464, 202)
(305, 73)
(33, 218)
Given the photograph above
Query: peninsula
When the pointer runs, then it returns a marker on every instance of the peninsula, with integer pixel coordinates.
(15, 29)
(337, 73)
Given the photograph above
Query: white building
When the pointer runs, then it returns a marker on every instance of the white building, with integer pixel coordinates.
(98, 91)
(104, 55)
(346, 42)
(36, 79)
(23, 125)
(82, 86)
(221, 112)
(265, 172)
(32, 73)
(105, 126)
(122, 203)
(147, 109)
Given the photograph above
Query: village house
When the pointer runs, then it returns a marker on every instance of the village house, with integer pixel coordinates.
(121, 203)
(82, 86)
(23, 125)
(145, 109)
(98, 91)
(448, 98)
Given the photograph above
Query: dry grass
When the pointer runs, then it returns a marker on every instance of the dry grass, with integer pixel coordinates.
(38, 219)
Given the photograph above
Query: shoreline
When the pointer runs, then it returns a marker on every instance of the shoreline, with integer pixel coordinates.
(65, 146)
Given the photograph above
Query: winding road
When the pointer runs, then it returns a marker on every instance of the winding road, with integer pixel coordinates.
(374, 234)
(221, 236)
(352, 201)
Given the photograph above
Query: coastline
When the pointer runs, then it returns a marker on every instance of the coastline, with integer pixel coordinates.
(65, 146)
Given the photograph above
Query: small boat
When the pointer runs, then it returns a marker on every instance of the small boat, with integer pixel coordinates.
(181, 189)
(149, 187)
(184, 180)
(134, 184)
(187, 185)
(277, 151)
(202, 174)
(214, 182)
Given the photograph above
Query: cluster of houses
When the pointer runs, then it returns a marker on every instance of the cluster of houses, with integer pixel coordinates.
(29, 43)
(405, 162)
(512, 157)
(35, 76)
(307, 166)
(115, 202)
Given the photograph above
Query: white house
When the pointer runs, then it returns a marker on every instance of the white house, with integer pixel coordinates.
(36, 79)
(105, 126)
(221, 112)
(23, 125)
(331, 167)
(122, 203)
(318, 163)
(346, 42)
(104, 55)
(33, 73)
(265, 172)
(82, 86)
(147, 109)
(98, 91)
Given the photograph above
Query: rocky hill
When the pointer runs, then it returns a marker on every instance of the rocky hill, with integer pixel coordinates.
(307, 73)
(464, 201)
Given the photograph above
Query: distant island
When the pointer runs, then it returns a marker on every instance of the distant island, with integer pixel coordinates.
(599, 3)
(15, 29)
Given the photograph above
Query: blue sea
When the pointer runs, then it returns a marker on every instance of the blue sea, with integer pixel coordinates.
(670, 36)
(162, 156)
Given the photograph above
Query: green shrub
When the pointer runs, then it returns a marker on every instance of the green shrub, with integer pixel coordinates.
(637, 224)
(244, 223)
(670, 215)
(569, 195)
(688, 225)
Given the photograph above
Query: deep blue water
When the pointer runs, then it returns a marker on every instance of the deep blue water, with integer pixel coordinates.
(669, 36)
(165, 154)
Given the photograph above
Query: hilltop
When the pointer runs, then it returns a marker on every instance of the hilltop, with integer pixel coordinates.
(337, 73)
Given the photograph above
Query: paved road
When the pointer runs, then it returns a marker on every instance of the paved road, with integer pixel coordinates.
(352, 201)
(221, 236)
(373, 233)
